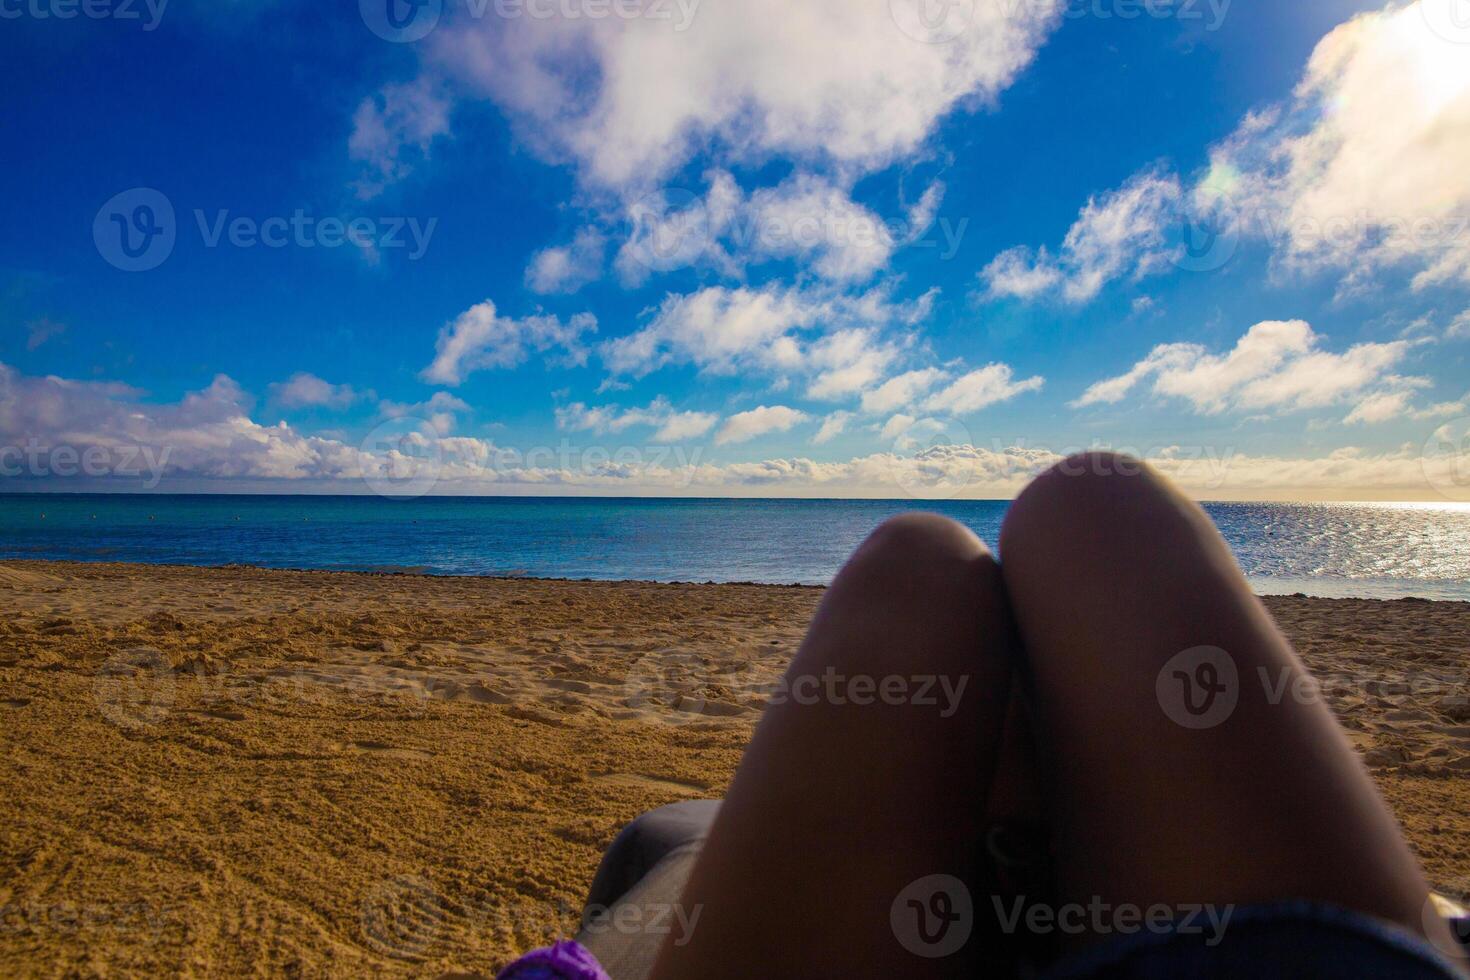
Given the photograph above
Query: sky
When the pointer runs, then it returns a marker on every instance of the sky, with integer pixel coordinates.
(881, 248)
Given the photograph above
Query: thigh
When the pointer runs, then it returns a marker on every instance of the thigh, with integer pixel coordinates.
(1175, 773)
(867, 772)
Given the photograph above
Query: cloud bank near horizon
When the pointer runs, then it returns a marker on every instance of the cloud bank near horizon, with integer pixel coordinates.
(58, 428)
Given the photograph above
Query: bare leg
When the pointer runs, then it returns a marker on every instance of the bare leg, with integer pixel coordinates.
(838, 806)
(1111, 574)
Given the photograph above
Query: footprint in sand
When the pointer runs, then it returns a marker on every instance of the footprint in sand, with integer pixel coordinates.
(653, 784)
(486, 695)
(387, 750)
(220, 714)
(525, 713)
(571, 686)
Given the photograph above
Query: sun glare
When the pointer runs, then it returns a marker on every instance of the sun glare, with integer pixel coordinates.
(1441, 70)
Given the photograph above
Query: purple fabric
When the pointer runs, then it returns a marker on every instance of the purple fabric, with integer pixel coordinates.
(567, 960)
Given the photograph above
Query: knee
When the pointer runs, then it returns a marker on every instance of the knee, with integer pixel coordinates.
(923, 533)
(918, 544)
(915, 565)
(1092, 474)
(923, 595)
(1098, 490)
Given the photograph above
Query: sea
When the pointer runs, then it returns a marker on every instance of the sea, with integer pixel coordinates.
(1337, 550)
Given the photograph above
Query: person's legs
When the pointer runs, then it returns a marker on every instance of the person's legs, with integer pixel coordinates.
(868, 775)
(1161, 791)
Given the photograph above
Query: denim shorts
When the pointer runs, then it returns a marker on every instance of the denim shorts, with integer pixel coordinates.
(653, 856)
(1269, 942)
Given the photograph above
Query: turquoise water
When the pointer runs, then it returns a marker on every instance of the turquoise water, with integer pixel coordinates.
(1370, 550)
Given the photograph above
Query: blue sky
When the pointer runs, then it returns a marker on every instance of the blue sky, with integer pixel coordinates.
(881, 249)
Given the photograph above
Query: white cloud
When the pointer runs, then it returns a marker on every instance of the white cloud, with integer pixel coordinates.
(672, 426)
(810, 218)
(807, 217)
(630, 100)
(847, 361)
(901, 391)
(1124, 232)
(1020, 273)
(981, 388)
(441, 411)
(567, 268)
(1381, 406)
(896, 427)
(1363, 168)
(674, 229)
(720, 330)
(393, 129)
(758, 422)
(837, 341)
(1459, 328)
(1388, 405)
(924, 211)
(685, 425)
(1360, 170)
(1275, 366)
(304, 390)
(480, 339)
(208, 435)
(925, 437)
(832, 427)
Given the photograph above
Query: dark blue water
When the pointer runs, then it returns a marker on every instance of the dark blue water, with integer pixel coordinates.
(1372, 550)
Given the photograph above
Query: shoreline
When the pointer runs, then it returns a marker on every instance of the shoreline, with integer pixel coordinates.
(1427, 500)
(227, 769)
(413, 572)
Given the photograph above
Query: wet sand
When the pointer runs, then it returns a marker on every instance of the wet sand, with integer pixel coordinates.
(227, 771)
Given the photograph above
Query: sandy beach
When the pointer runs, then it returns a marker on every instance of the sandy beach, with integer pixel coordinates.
(236, 771)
